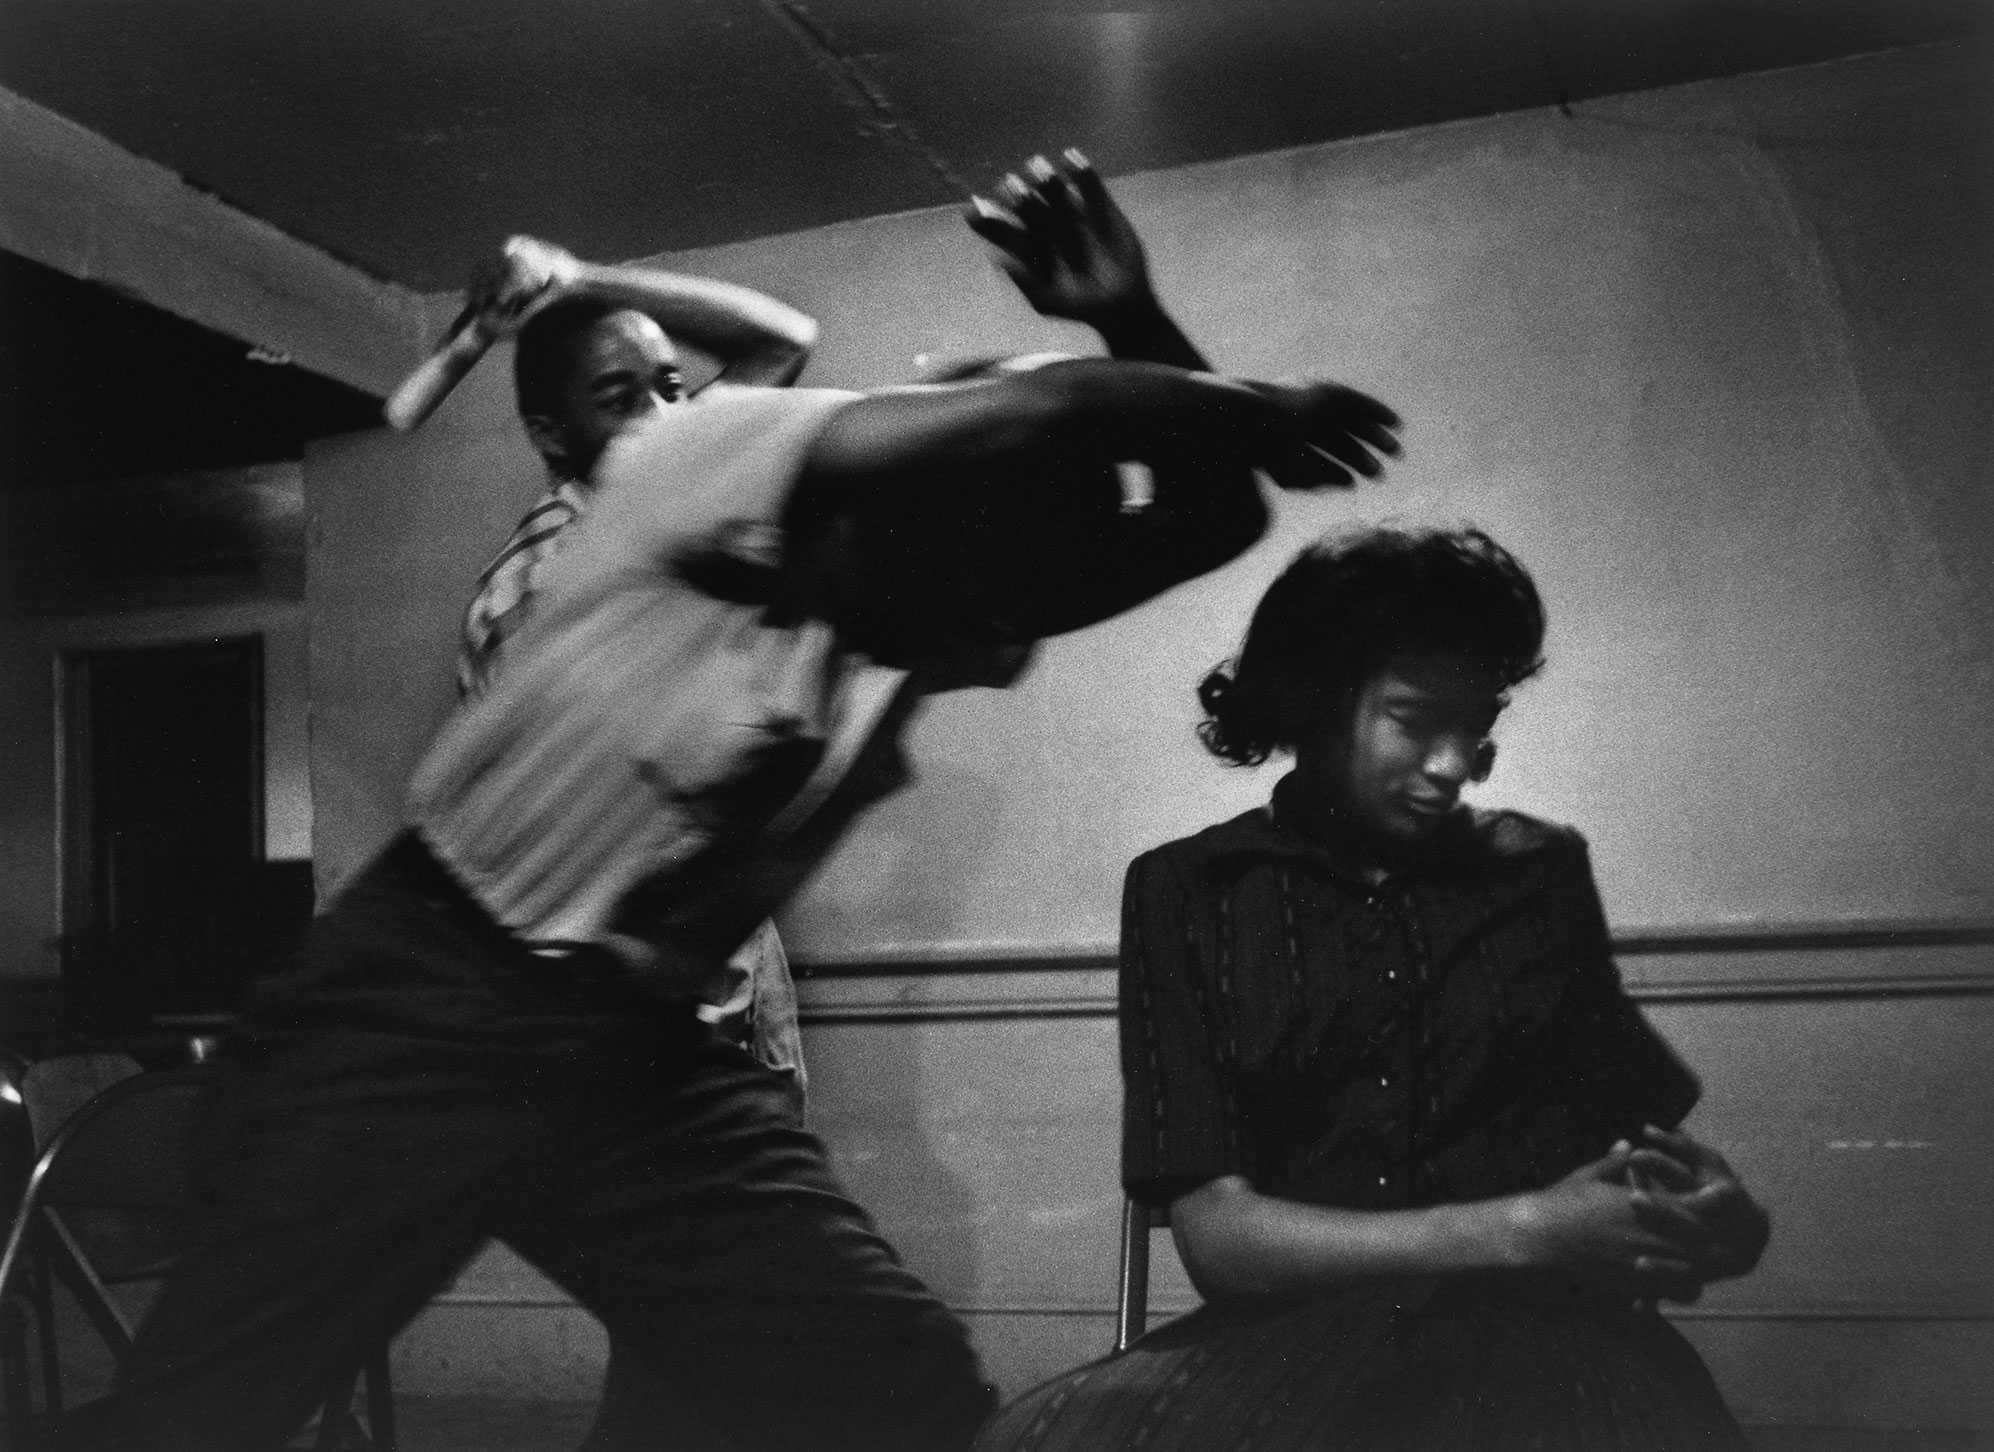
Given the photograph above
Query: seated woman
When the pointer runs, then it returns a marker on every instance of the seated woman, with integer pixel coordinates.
(1417, 1146)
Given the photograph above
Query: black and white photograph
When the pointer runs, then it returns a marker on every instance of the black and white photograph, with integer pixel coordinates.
(997, 725)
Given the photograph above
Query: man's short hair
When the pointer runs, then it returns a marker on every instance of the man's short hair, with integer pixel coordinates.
(544, 353)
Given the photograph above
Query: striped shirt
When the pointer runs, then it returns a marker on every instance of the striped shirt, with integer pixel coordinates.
(756, 980)
(650, 728)
(505, 587)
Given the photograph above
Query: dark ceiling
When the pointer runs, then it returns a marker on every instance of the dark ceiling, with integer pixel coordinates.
(97, 387)
(408, 136)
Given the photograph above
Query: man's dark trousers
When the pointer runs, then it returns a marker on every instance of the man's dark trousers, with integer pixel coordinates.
(421, 1083)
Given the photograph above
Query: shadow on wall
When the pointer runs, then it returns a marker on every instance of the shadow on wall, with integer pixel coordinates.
(885, 1110)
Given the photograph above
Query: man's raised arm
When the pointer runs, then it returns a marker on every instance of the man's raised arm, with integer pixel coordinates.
(753, 337)
(1007, 487)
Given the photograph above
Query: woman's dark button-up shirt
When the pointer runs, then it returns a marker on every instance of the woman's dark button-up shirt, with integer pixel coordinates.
(1453, 1032)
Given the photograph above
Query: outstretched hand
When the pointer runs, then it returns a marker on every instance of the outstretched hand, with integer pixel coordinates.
(1338, 433)
(509, 288)
(1066, 243)
(1678, 1181)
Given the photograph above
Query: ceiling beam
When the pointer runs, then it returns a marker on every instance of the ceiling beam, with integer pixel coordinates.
(86, 206)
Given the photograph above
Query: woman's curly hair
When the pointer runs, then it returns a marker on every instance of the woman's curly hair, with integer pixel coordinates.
(1348, 606)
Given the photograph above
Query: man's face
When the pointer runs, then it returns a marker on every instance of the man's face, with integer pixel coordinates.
(1415, 737)
(624, 372)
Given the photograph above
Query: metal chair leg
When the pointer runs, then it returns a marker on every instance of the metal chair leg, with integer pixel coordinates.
(1132, 1313)
(381, 1402)
(42, 1291)
(14, 1380)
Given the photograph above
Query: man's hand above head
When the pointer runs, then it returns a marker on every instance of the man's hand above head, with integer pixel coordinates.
(507, 289)
(1063, 240)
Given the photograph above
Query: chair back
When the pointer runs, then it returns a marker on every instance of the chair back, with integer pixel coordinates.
(17, 1136)
(110, 1198)
(113, 1182)
(54, 1089)
(1132, 1300)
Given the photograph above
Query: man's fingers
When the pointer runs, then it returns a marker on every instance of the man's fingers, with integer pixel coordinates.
(1377, 434)
(1309, 469)
(1380, 438)
(1058, 217)
(1029, 202)
(1021, 254)
(1093, 191)
(1350, 452)
(991, 222)
(1361, 406)
(1346, 411)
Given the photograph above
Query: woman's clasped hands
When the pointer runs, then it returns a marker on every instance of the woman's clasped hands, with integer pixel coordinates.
(1657, 1219)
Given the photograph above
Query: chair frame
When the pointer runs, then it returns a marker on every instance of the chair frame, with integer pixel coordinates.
(34, 1228)
(1132, 1298)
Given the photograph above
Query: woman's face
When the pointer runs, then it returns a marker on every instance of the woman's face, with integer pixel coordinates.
(1414, 738)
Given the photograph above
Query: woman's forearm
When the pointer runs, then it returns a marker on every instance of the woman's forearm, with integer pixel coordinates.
(1238, 1243)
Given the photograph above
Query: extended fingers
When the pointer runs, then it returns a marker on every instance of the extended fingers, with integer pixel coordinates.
(1020, 253)
(1355, 427)
(1087, 183)
(1311, 468)
(1361, 413)
(1054, 207)
(1032, 196)
(1351, 451)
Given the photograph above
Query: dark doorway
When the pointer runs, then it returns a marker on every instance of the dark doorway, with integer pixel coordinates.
(163, 830)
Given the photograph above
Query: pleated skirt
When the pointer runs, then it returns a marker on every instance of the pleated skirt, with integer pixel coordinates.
(1397, 1366)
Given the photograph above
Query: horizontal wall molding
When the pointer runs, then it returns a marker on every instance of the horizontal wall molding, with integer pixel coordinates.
(552, 1298)
(1936, 1315)
(1804, 937)
(1717, 965)
(1635, 942)
(1868, 964)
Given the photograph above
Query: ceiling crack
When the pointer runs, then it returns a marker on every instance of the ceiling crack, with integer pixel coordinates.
(863, 92)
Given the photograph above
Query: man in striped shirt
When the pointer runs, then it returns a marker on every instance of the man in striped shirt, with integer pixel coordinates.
(711, 685)
(594, 356)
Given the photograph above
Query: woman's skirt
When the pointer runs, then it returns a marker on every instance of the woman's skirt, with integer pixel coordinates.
(1397, 1366)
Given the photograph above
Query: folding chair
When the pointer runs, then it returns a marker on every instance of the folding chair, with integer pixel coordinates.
(108, 1203)
(53, 1089)
(17, 1158)
(1132, 1305)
